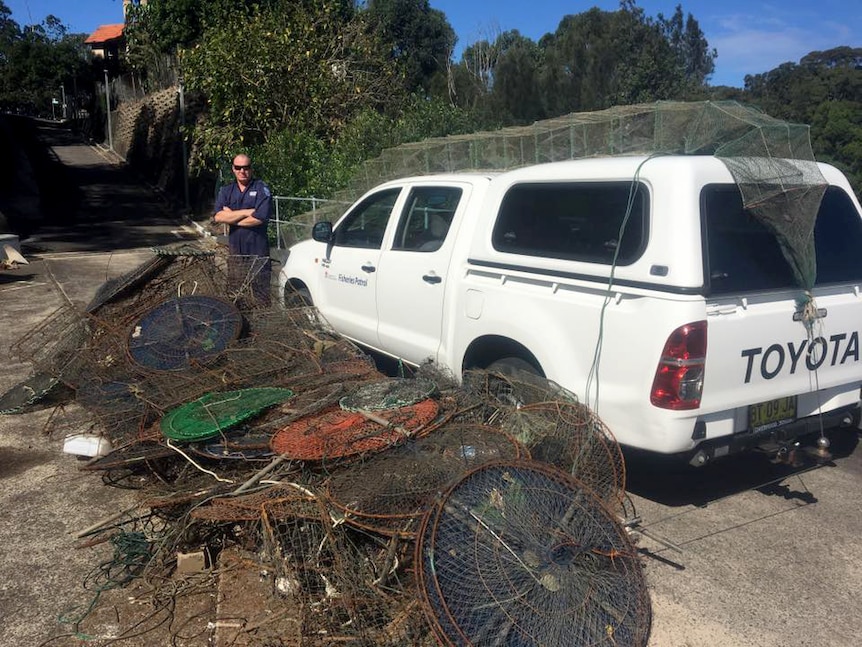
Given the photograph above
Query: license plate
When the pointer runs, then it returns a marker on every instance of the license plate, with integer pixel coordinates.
(774, 413)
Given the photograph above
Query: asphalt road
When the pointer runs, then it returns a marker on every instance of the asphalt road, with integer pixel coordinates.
(769, 555)
(84, 219)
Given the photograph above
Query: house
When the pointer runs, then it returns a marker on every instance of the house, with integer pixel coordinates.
(107, 42)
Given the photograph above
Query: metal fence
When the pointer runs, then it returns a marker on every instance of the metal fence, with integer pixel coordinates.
(294, 217)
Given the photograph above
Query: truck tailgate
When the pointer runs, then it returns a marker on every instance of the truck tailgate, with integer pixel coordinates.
(760, 350)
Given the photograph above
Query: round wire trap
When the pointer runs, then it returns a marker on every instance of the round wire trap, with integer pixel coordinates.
(336, 433)
(390, 492)
(520, 553)
(179, 332)
(569, 435)
(213, 413)
(25, 393)
(391, 393)
(510, 387)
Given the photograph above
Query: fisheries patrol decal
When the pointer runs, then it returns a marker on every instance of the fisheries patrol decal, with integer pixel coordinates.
(358, 281)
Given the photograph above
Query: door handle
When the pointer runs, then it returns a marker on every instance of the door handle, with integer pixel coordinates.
(431, 278)
(368, 268)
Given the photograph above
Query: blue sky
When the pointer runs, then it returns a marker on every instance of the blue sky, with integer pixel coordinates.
(751, 36)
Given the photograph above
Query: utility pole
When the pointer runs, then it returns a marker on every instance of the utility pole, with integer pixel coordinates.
(75, 106)
(63, 100)
(108, 104)
(183, 144)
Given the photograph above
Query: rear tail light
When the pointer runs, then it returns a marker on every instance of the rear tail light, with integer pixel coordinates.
(678, 382)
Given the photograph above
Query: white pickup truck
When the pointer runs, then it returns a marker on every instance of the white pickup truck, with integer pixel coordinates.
(640, 284)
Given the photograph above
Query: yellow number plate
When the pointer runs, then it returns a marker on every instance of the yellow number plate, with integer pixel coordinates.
(771, 414)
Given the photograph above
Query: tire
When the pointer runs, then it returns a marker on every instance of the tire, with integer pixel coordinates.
(297, 297)
(518, 382)
(510, 365)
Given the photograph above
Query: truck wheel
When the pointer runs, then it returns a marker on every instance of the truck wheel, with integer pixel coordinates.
(297, 297)
(517, 382)
(509, 365)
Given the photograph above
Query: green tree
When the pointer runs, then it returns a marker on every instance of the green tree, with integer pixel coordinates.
(300, 163)
(837, 136)
(515, 93)
(170, 25)
(420, 39)
(10, 33)
(470, 82)
(36, 60)
(824, 90)
(694, 57)
(299, 65)
(593, 60)
(599, 58)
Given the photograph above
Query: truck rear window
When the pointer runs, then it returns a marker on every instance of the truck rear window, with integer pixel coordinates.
(744, 256)
(579, 221)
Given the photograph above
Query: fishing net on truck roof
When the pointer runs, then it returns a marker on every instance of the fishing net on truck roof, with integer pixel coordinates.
(771, 160)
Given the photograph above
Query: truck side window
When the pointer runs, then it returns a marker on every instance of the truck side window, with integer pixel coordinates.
(366, 224)
(578, 221)
(426, 218)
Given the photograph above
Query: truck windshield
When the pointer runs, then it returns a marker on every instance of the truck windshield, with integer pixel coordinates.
(742, 255)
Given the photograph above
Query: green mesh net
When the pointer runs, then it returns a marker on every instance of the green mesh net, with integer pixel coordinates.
(391, 393)
(771, 160)
(213, 413)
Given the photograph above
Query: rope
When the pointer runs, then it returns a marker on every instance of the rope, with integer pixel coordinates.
(132, 553)
(192, 461)
(811, 320)
(597, 353)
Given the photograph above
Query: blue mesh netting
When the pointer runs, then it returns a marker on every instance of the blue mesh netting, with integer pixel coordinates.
(179, 332)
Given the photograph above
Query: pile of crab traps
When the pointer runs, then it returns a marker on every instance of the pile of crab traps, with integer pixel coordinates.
(386, 510)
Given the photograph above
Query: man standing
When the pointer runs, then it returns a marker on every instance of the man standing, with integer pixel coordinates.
(245, 206)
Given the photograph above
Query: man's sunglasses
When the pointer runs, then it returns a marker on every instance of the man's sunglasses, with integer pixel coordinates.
(243, 167)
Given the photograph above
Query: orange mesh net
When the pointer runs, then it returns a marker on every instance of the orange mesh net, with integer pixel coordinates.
(336, 433)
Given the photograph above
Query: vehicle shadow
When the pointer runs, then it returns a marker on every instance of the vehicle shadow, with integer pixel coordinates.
(670, 481)
(16, 278)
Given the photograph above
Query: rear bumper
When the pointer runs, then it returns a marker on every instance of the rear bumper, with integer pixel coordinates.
(776, 438)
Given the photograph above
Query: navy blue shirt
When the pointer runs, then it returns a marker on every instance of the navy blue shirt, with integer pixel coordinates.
(247, 241)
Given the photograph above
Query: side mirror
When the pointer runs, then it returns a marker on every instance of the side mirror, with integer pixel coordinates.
(322, 232)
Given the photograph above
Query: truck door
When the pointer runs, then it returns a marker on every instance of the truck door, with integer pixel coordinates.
(349, 272)
(413, 273)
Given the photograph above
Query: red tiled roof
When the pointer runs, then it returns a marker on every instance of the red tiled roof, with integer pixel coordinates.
(105, 33)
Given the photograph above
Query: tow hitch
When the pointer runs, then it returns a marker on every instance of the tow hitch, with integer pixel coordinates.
(787, 455)
(782, 443)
